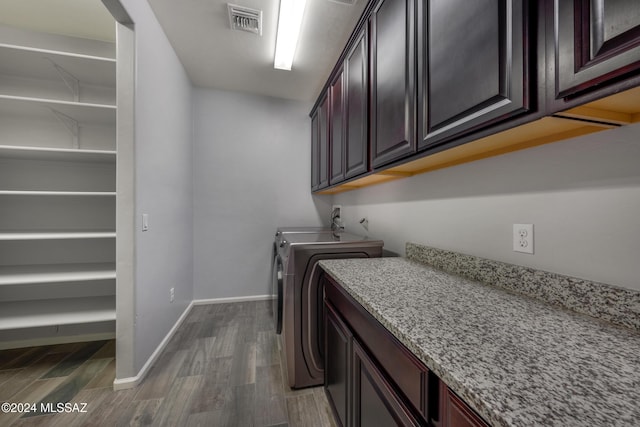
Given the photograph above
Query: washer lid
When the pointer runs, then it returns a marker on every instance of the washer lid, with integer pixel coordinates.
(298, 239)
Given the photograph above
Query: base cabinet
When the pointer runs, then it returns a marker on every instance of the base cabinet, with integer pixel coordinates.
(375, 402)
(337, 369)
(371, 379)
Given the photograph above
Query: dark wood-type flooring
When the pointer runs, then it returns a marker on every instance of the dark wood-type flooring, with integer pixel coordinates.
(221, 368)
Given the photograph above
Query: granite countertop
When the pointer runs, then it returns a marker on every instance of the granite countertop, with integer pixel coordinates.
(517, 361)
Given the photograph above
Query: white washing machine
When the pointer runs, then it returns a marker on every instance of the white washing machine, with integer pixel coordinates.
(302, 304)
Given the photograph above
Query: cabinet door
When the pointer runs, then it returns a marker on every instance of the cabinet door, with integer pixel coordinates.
(473, 68)
(456, 413)
(315, 150)
(356, 106)
(336, 143)
(392, 81)
(375, 403)
(323, 144)
(595, 41)
(337, 370)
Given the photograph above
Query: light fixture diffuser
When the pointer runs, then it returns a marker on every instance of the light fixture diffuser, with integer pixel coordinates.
(289, 23)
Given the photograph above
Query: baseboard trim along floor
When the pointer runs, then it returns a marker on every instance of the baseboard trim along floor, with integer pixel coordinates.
(233, 299)
(131, 382)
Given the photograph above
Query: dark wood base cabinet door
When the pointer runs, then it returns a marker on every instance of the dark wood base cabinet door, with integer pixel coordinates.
(596, 41)
(473, 68)
(337, 369)
(392, 81)
(456, 413)
(375, 403)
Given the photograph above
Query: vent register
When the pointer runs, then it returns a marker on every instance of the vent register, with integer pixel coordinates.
(245, 19)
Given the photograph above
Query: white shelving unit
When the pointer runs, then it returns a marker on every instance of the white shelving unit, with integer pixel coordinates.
(57, 186)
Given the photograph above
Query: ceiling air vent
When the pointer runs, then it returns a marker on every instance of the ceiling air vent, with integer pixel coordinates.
(245, 19)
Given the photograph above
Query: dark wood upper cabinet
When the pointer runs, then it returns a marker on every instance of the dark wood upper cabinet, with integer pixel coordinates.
(595, 42)
(392, 35)
(356, 106)
(474, 65)
(323, 144)
(315, 153)
(337, 128)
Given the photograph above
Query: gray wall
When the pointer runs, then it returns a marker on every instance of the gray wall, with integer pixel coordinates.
(163, 185)
(251, 175)
(582, 195)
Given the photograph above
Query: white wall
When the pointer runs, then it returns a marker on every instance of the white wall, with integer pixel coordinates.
(582, 195)
(251, 175)
(163, 188)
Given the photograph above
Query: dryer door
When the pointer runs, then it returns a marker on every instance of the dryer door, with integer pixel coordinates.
(278, 290)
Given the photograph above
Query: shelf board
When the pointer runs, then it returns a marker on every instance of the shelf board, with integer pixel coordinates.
(54, 312)
(55, 235)
(58, 193)
(57, 154)
(56, 273)
(82, 112)
(38, 63)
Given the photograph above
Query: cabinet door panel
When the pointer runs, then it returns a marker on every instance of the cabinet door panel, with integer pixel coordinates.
(473, 65)
(323, 144)
(457, 413)
(337, 365)
(596, 41)
(337, 130)
(375, 403)
(315, 153)
(356, 153)
(392, 81)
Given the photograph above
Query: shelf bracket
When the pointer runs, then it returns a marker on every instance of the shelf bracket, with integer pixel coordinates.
(69, 79)
(71, 124)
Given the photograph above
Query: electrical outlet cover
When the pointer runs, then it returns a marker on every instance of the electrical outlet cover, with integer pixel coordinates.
(523, 238)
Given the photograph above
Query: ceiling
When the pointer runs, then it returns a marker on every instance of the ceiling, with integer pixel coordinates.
(213, 55)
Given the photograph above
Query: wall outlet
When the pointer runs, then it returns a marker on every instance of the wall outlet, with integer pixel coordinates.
(172, 294)
(523, 238)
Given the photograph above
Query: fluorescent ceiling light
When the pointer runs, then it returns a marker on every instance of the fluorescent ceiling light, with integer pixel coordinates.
(289, 23)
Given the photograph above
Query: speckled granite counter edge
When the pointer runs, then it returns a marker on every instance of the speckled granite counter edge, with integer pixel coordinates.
(616, 305)
(478, 404)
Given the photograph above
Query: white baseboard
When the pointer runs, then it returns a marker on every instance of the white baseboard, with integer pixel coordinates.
(131, 382)
(33, 342)
(233, 299)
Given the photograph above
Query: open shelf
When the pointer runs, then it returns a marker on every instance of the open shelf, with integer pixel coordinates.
(57, 154)
(82, 112)
(58, 193)
(55, 235)
(38, 64)
(55, 312)
(55, 273)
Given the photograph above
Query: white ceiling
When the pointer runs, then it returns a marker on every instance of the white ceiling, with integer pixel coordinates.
(213, 55)
(217, 57)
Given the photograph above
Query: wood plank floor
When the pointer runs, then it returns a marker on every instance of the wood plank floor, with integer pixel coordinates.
(221, 368)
